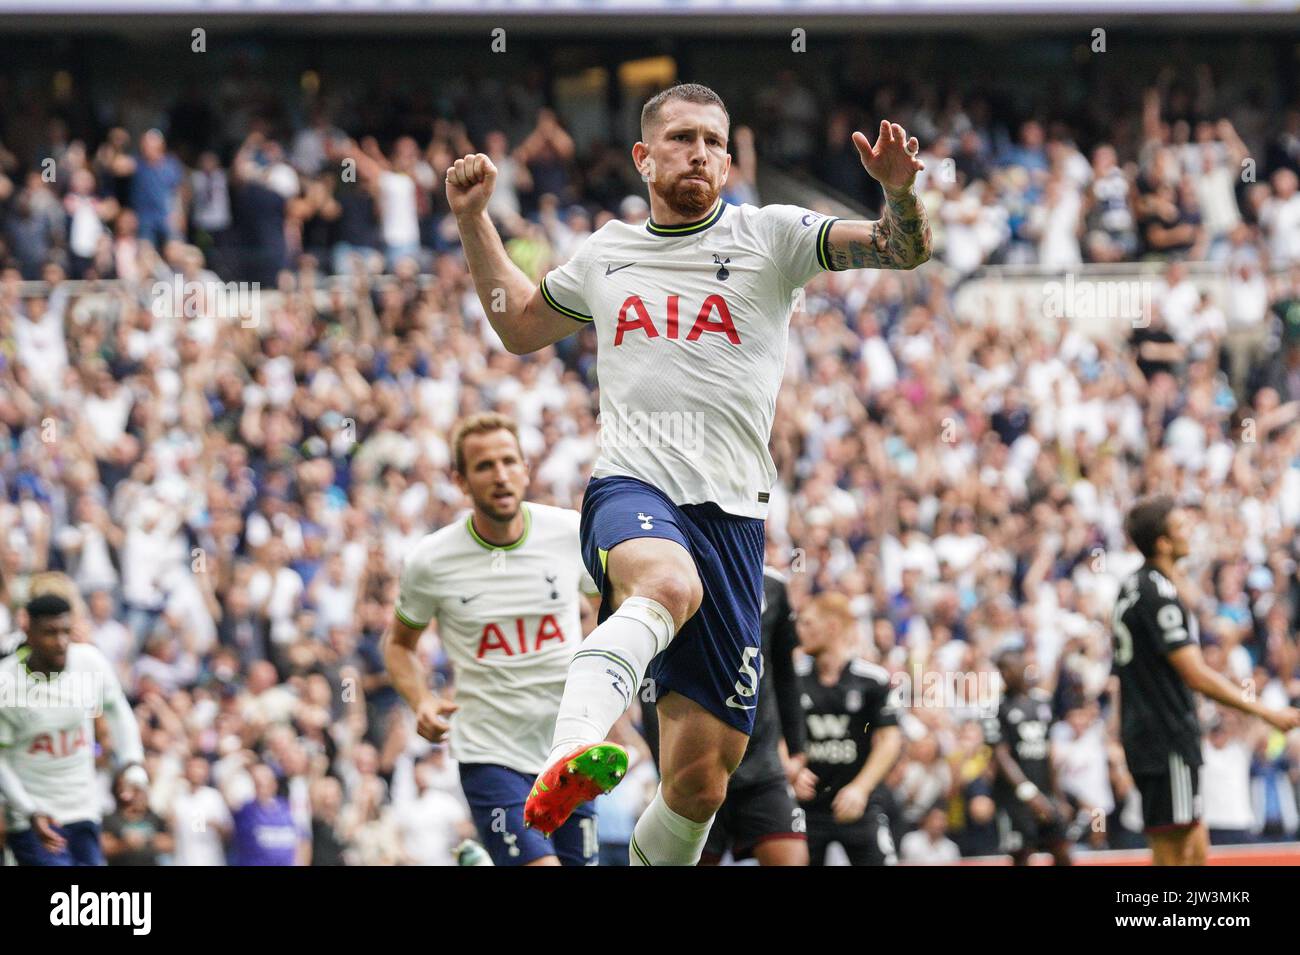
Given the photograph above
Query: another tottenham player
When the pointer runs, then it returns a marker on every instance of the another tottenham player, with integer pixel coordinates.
(505, 586)
(51, 690)
(1157, 654)
(691, 311)
(1031, 809)
(853, 739)
(759, 818)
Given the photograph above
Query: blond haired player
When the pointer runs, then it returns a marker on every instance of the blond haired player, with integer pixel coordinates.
(51, 690)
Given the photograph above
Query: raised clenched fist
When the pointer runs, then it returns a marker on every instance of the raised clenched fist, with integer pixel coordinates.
(470, 181)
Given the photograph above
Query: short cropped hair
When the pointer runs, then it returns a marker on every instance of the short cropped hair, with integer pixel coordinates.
(482, 423)
(687, 92)
(1148, 521)
(47, 605)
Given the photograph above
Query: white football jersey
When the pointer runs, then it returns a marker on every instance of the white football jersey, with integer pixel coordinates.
(510, 621)
(47, 731)
(691, 324)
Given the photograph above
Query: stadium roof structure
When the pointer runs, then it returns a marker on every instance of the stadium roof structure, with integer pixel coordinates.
(669, 16)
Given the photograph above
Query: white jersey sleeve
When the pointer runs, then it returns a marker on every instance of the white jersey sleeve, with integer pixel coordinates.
(11, 786)
(417, 596)
(122, 724)
(796, 241)
(565, 288)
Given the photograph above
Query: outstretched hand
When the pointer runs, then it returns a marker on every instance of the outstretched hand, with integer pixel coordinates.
(892, 160)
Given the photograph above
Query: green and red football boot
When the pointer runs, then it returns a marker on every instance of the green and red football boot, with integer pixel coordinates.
(587, 772)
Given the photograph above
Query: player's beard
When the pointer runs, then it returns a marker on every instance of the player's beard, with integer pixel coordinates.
(685, 197)
(502, 513)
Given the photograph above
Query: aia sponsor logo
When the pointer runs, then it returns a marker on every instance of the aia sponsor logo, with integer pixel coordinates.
(713, 316)
(494, 638)
(65, 742)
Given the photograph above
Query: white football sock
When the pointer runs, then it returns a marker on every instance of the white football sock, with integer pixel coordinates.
(606, 672)
(662, 837)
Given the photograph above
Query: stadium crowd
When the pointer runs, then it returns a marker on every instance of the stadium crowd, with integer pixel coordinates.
(232, 488)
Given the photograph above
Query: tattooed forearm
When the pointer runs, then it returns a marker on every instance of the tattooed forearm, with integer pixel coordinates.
(899, 239)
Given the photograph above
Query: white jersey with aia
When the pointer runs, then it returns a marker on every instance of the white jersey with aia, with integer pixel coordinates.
(510, 621)
(47, 731)
(691, 324)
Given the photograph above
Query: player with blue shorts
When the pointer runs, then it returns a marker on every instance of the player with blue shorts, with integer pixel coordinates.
(505, 585)
(51, 692)
(691, 311)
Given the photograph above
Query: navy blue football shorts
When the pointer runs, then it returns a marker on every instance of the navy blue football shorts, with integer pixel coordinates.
(715, 659)
(496, 796)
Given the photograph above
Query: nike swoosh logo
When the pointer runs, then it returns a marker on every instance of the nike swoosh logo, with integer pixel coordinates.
(731, 702)
(610, 270)
(466, 600)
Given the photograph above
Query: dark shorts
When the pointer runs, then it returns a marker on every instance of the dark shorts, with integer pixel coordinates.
(714, 658)
(869, 841)
(1019, 829)
(1171, 799)
(82, 848)
(496, 798)
(752, 815)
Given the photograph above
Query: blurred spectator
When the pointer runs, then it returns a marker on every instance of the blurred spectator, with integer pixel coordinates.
(264, 830)
(1111, 234)
(547, 152)
(432, 822)
(1079, 753)
(1280, 217)
(35, 229)
(929, 844)
(1225, 777)
(513, 178)
(134, 834)
(328, 841)
(155, 191)
(264, 185)
(210, 212)
(1273, 789)
(200, 818)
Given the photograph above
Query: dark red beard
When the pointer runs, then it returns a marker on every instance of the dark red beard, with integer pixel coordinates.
(691, 199)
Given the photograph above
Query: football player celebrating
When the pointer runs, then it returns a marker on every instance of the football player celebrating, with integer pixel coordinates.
(691, 311)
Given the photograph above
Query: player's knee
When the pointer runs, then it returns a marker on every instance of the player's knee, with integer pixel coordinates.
(697, 791)
(679, 595)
